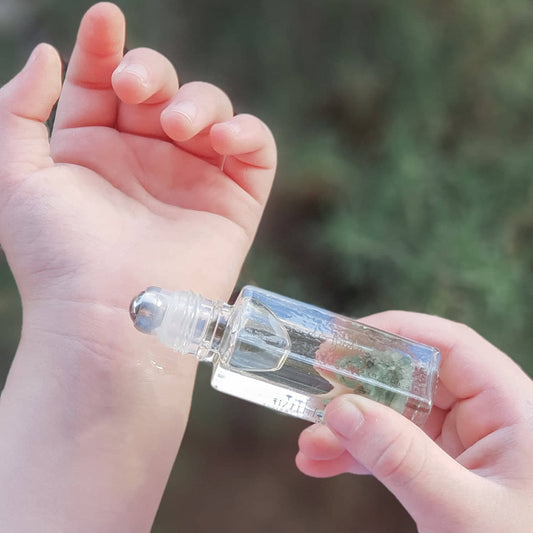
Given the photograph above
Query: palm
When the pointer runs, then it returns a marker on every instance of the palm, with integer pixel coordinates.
(155, 210)
(158, 174)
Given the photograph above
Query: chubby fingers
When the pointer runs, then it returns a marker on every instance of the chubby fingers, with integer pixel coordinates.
(152, 105)
(399, 454)
(87, 98)
(25, 103)
(144, 82)
(249, 151)
(319, 443)
(200, 120)
(247, 139)
(144, 76)
(321, 454)
(195, 108)
(342, 464)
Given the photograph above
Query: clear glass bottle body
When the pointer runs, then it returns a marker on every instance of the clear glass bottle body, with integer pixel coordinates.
(295, 358)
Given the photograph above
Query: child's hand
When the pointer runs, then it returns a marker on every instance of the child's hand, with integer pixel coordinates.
(143, 183)
(478, 474)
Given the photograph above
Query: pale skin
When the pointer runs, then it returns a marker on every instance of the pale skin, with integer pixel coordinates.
(145, 182)
(471, 467)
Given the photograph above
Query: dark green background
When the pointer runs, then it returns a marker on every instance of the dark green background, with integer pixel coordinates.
(405, 138)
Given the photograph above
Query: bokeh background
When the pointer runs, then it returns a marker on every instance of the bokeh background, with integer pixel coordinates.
(405, 134)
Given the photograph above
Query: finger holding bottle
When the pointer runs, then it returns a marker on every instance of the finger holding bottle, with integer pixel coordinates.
(479, 462)
(322, 454)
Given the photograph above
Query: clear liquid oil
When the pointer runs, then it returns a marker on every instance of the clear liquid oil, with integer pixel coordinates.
(295, 358)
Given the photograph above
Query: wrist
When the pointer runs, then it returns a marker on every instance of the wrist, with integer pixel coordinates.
(101, 411)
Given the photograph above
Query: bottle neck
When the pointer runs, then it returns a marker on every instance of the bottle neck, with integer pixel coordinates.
(212, 321)
(193, 324)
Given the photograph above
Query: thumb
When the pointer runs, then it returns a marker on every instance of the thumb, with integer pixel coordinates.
(25, 104)
(399, 454)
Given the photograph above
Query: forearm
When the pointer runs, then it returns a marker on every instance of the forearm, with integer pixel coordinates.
(89, 431)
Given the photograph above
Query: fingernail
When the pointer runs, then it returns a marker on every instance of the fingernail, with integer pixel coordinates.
(187, 108)
(233, 126)
(313, 428)
(344, 417)
(135, 69)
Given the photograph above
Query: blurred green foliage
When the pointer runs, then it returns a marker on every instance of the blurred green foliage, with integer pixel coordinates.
(405, 134)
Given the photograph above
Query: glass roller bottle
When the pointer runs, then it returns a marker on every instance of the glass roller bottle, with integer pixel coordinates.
(291, 356)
